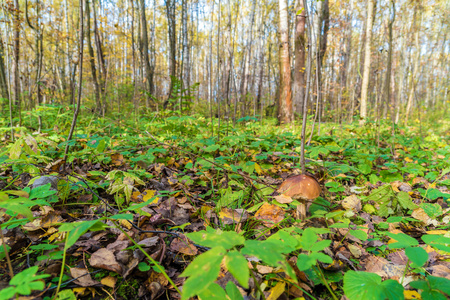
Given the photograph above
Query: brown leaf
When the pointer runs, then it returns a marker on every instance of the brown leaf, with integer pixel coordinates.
(283, 199)
(149, 242)
(117, 159)
(232, 216)
(352, 203)
(183, 246)
(270, 214)
(105, 259)
(85, 280)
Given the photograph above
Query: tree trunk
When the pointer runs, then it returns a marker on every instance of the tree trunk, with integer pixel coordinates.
(247, 57)
(16, 53)
(144, 54)
(101, 60)
(366, 76)
(285, 98)
(92, 59)
(413, 81)
(300, 51)
(185, 53)
(3, 73)
(171, 20)
(389, 64)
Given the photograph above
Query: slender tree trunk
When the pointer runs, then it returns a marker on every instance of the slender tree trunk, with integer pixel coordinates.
(366, 76)
(3, 73)
(144, 54)
(80, 80)
(285, 98)
(415, 71)
(171, 19)
(92, 58)
(185, 53)
(101, 60)
(389, 97)
(247, 58)
(38, 49)
(68, 71)
(300, 51)
(16, 54)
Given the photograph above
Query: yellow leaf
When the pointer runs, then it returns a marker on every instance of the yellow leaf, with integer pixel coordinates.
(437, 232)
(109, 281)
(411, 295)
(258, 169)
(276, 291)
(407, 159)
(126, 224)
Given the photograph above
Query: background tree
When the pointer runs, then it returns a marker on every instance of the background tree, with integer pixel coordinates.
(367, 58)
(285, 97)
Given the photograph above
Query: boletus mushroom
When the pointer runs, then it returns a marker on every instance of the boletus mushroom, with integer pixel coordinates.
(301, 187)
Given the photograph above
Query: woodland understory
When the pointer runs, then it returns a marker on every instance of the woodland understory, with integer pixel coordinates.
(184, 149)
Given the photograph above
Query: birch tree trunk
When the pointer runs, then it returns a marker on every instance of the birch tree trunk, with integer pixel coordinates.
(366, 76)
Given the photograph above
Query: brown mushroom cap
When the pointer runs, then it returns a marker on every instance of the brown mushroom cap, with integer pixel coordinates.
(300, 187)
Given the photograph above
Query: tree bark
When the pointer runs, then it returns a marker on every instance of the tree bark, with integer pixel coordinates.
(3, 73)
(16, 54)
(144, 53)
(247, 57)
(171, 20)
(285, 98)
(92, 59)
(300, 51)
(366, 76)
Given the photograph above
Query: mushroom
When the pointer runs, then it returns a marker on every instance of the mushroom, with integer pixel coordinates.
(301, 187)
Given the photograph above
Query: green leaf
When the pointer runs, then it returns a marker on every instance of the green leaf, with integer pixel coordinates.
(417, 255)
(26, 281)
(405, 201)
(438, 241)
(359, 234)
(42, 192)
(308, 239)
(122, 217)
(143, 267)
(203, 271)
(433, 210)
(321, 257)
(17, 208)
(77, 230)
(212, 148)
(268, 252)
(66, 295)
(320, 245)
(305, 262)
(431, 286)
(213, 292)
(402, 239)
(286, 241)
(439, 283)
(368, 286)
(7, 293)
(225, 239)
(233, 292)
(237, 266)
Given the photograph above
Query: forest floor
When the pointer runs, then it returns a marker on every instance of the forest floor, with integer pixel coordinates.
(168, 204)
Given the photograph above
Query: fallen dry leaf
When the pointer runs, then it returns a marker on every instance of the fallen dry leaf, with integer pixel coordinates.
(270, 214)
(83, 277)
(105, 259)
